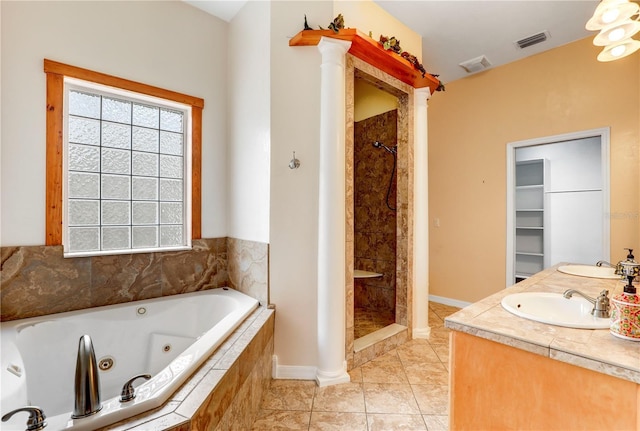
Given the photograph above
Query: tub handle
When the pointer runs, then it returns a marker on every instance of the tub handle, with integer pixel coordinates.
(128, 392)
(36, 417)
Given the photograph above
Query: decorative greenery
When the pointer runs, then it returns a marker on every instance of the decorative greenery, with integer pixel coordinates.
(336, 24)
(392, 44)
(388, 43)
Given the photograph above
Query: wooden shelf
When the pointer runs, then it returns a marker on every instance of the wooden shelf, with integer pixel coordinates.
(370, 51)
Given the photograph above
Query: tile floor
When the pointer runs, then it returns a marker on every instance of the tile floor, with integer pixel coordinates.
(368, 321)
(406, 389)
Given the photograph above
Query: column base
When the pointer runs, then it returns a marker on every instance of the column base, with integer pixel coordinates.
(422, 332)
(324, 378)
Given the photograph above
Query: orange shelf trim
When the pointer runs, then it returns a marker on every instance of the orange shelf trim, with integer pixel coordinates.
(372, 52)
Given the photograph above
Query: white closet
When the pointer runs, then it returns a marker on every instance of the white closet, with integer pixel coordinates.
(530, 216)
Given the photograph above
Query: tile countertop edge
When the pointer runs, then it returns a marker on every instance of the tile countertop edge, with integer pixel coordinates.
(470, 320)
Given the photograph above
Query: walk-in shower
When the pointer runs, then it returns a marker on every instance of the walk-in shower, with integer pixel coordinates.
(375, 224)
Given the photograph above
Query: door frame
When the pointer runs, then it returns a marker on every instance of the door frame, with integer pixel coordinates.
(604, 134)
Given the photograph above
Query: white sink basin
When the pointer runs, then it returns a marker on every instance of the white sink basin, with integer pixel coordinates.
(554, 309)
(591, 271)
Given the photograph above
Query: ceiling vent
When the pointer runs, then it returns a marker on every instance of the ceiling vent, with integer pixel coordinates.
(532, 40)
(475, 64)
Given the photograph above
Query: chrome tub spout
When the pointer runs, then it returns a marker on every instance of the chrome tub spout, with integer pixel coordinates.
(87, 383)
(604, 263)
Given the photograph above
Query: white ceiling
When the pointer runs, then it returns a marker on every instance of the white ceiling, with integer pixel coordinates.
(455, 31)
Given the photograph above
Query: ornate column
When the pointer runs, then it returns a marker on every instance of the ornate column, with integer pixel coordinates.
(331, 215)
(421, 327)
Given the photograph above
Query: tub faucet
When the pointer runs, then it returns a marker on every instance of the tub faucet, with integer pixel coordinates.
(605, 263)
(87, 383)
(601, 307)
(36, 420)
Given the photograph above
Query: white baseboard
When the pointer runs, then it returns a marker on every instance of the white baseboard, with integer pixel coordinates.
(448, 301)
(292, 372)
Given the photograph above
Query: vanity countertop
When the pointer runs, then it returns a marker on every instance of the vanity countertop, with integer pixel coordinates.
(594, 349)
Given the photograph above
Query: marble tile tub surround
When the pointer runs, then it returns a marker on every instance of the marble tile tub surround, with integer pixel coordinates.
(225, 393)
(247, 268)
(595, 350)
(38, 280)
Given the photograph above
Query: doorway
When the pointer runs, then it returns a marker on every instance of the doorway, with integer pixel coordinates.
(378, 235)
(557, 202)
(375, 156)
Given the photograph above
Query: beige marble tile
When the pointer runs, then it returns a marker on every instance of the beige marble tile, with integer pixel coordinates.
(289, 395)
(439, 336)
(390, 398)
(323, 421)
(248, 268)
(383, 371)
(443, 310)
(435, 321)
(393, 422)
(416, 352)
(432, 373)
(432, 399)
(442, 350)
(436, 422)
(356, 375)
(346, 397)
(277, 420)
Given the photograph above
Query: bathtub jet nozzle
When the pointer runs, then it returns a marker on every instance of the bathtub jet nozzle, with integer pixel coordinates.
(87, 383)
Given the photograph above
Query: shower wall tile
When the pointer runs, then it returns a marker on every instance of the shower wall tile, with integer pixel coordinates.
(38, 280)
(248, 268)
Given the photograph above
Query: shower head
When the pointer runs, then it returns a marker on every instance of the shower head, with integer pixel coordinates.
(392, 150)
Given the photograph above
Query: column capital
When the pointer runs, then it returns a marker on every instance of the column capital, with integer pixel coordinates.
(421, 95)
(333, 50)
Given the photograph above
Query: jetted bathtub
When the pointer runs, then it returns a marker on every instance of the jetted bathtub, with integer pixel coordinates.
(168, 338)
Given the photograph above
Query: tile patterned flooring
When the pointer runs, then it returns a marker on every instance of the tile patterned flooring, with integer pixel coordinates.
(368, 321)
(405, 389)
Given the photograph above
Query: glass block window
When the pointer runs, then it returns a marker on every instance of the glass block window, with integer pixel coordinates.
(126, 172)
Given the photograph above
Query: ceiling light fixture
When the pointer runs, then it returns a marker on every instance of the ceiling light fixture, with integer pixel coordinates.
(618, 21)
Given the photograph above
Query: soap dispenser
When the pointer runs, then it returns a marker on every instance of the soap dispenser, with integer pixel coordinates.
(625, 314)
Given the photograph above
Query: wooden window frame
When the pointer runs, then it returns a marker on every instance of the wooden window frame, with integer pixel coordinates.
(56, 72)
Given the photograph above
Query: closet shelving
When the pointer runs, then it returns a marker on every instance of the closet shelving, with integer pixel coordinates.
(529, 221)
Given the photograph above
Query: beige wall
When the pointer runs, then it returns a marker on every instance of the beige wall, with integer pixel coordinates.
(560, 91)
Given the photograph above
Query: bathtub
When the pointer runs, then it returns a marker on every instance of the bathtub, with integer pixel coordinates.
(168, 337)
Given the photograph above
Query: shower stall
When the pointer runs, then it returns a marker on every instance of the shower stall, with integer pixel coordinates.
(375, 222)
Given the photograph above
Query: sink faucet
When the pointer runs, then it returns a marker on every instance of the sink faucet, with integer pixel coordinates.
(601, 307)
(604, 262)
(87, 383)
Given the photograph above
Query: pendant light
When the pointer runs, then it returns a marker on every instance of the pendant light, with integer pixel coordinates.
(617, 22)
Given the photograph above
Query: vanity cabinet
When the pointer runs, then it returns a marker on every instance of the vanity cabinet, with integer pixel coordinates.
(511, 373)
(529, 218)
